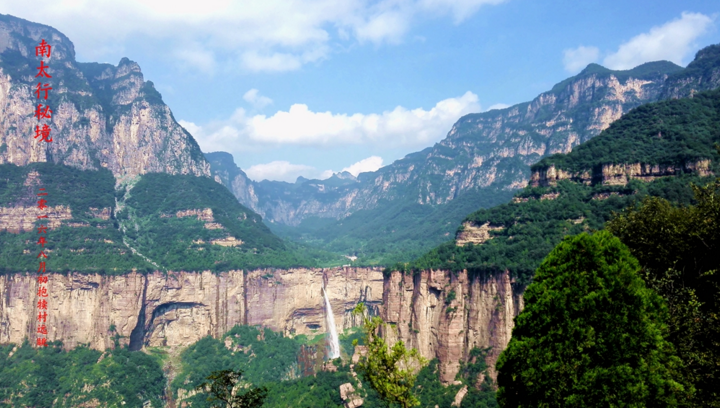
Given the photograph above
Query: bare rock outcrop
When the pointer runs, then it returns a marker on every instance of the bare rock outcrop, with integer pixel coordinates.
(445, 315)
(291, 301)
(347, 393)
(474, 234)
(103, 115)
(617, 174)
(22, 219)
(459, 396)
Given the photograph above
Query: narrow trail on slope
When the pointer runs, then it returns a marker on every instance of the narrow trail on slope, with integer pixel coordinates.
(119, 206)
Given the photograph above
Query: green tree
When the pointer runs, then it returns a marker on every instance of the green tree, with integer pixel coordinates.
(221, 388)
(678, 247)
(591, 334)
(390, 371)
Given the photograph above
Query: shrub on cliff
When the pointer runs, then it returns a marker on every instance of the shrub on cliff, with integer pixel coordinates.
(225, 392)
(591, 334)
(389, 371)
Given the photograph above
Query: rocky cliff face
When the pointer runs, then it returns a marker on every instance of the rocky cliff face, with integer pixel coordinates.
(178, 308)
(700, 75)
(441, 314)
(618, 174)
(445, 315)
(103, 115)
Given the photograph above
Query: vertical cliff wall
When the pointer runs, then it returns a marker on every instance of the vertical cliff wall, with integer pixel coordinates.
(291, 301)
(445, 315)
(178, 308)
(442, 314)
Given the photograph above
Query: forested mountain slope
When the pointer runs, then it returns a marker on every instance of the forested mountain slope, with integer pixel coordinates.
(159, 222)
(659, 149)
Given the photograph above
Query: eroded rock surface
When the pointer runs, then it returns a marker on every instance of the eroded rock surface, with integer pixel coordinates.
(445, 315)
(103, 115)
(178, 308)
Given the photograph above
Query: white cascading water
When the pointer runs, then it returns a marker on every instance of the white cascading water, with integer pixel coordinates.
(334, 341)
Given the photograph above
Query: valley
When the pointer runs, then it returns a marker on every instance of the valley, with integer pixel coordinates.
(168, 263)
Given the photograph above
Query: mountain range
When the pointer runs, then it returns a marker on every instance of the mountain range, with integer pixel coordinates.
(156, 246)
(415, 203)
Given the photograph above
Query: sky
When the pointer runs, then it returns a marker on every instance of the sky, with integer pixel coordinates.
(312, 87)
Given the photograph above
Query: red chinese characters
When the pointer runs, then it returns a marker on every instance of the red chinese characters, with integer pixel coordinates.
(42, 72)
(42, 89)
(43, 133)
(43, 50)
(43, 112)
(42, 279)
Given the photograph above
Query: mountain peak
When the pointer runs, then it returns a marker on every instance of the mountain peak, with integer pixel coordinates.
(101, 110)
(126, 66)
(711, 51)
(345, 175)
(594, 68)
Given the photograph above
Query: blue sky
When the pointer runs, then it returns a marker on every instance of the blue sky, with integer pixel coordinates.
(309, 87)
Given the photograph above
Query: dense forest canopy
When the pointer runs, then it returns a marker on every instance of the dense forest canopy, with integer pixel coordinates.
(591, 334)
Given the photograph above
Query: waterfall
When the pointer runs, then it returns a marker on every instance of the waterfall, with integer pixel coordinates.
(332, 331)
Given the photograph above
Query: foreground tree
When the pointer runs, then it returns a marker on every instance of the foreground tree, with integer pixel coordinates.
(591, 334)
(679, 251)
(390, 371)
(222, 386)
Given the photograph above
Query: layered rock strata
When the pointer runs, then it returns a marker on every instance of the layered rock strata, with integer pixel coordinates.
(291, 301)
(474, 234)
(442, 314)
(617, 174)
(22, 218)
(445, 315)
(178, 308)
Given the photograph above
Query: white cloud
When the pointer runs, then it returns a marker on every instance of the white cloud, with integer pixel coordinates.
(460, 9)
(672, 41)
(280, 170)
(372, 163)
(192, 128)
(388, 26)
(300, 126)
(576, 59)
(196, 58)
(265, 35)
(256, 100)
